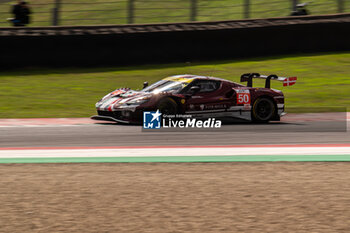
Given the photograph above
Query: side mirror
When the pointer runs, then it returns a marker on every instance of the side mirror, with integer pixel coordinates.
(145, 84)
(194, 89)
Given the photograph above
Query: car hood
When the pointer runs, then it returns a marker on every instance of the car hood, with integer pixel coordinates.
(121, 97)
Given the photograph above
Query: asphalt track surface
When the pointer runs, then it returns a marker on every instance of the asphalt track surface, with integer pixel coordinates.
(174, 197)
(109, 134)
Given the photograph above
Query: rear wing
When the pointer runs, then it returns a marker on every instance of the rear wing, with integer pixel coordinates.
(249, 79)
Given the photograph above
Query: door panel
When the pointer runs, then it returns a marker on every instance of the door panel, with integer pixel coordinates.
(210, 100)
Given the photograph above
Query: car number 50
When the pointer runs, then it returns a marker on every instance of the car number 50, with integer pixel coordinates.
(243, 98)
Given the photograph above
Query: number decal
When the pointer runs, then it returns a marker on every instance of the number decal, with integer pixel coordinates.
(243, 96)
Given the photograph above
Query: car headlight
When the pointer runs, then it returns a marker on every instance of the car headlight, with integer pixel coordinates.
(138, 101)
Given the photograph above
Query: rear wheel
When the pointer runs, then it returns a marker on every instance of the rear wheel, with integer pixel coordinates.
(263, 110)
(167, 106)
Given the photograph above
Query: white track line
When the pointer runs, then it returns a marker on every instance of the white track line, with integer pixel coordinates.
(166, 152)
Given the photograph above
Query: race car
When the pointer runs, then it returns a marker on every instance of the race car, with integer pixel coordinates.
(199, 96)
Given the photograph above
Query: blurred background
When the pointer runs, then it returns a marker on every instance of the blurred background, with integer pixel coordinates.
(95, 12)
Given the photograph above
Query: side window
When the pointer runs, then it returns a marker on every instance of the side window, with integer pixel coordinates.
(208, 85)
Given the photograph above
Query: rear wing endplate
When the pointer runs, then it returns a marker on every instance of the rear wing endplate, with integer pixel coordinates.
(249, 79)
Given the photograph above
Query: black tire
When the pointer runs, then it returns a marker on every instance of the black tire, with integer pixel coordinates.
(167, 106)
(263, 110)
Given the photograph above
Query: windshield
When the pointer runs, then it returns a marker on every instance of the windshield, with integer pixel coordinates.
(168, 85)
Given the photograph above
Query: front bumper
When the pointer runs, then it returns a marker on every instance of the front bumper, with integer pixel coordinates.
(108, 118)
(122, 116)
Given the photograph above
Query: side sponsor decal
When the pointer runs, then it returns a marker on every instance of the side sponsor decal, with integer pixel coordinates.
(215, 106)
(203, 107)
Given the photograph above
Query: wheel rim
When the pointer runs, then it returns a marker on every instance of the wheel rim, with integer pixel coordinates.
(264, 109)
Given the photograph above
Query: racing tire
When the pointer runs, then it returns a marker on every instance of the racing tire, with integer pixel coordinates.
(263, 110)
(167, 106)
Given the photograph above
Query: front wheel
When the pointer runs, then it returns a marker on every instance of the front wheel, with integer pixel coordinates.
(263, 110)
(167, 106)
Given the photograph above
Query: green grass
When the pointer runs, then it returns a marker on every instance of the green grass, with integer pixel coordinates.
(88, 12)
(323, 82)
